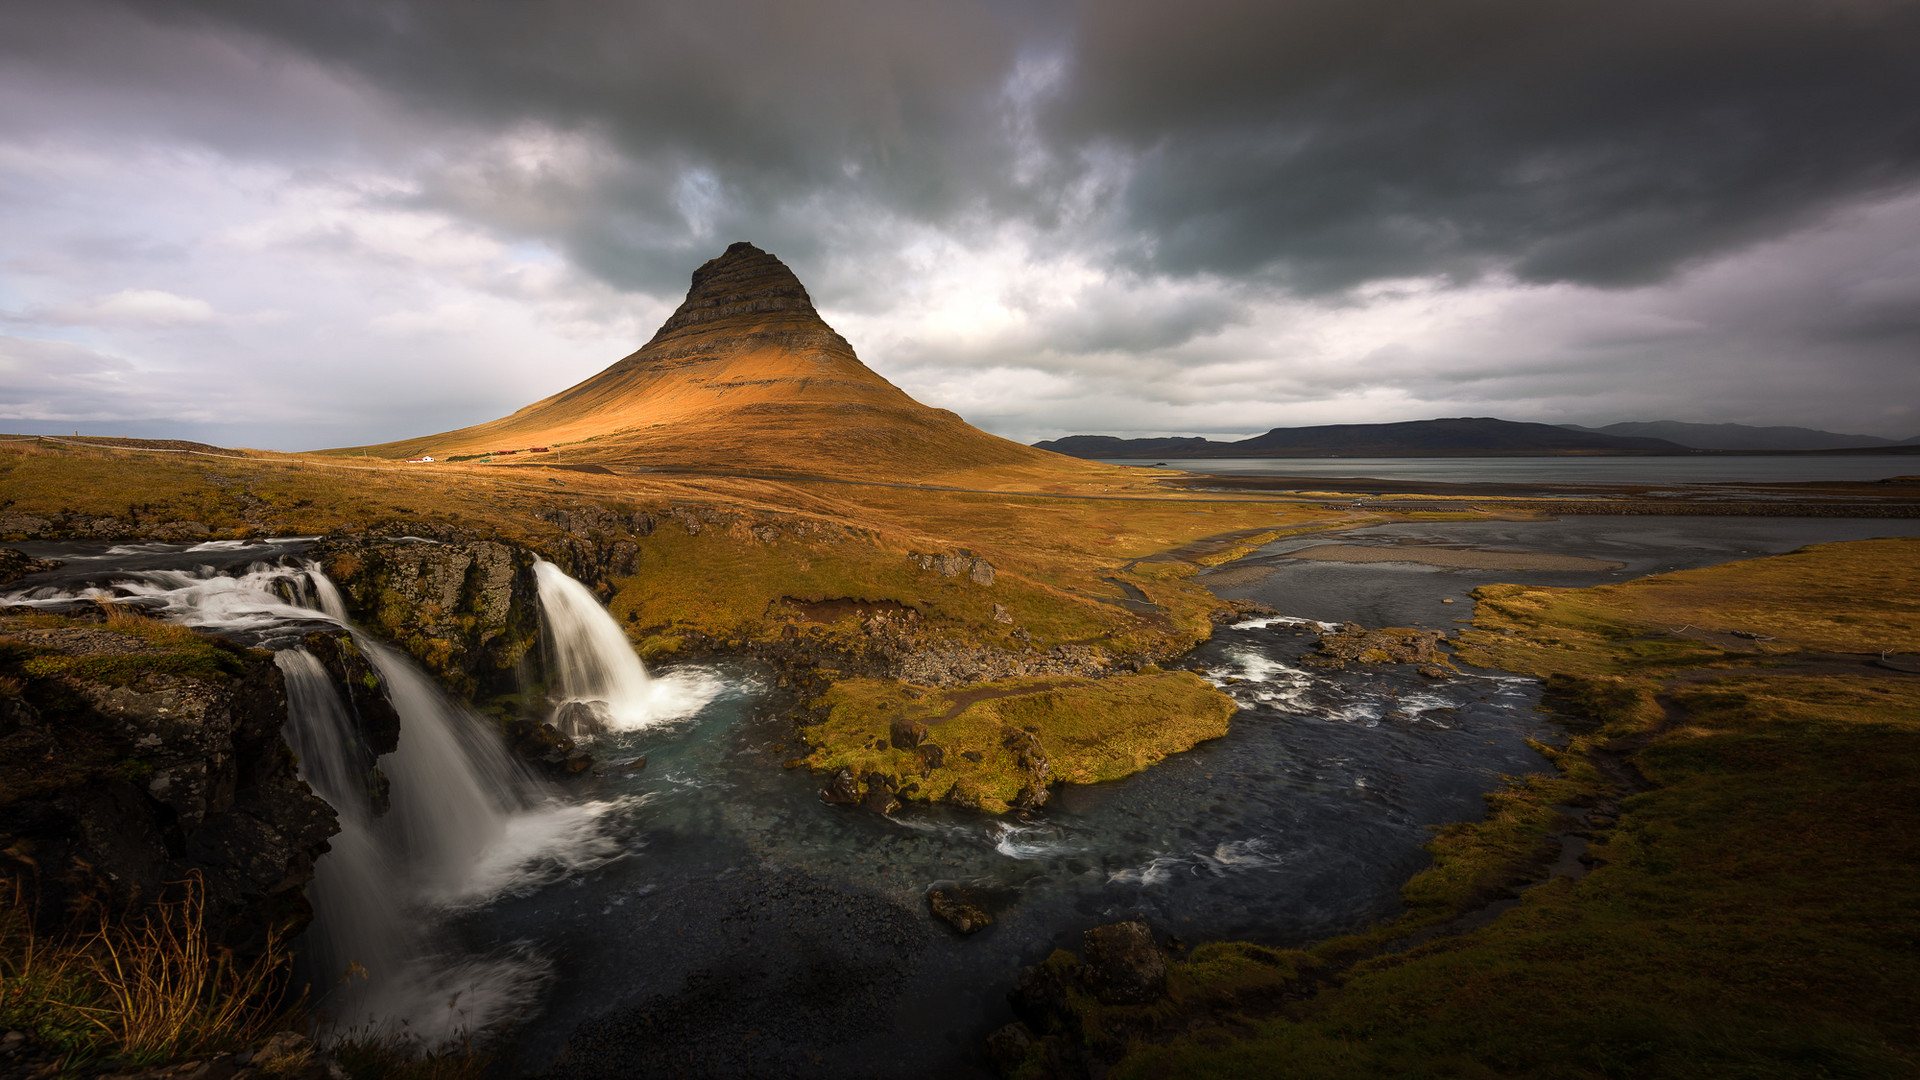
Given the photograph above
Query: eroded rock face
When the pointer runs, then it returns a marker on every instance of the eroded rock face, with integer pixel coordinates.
(740, 284)
(466, 610)
(119, 775)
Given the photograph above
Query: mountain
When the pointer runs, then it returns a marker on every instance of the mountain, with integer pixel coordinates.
(1459, 437)
(744, 376)
(1738, 436)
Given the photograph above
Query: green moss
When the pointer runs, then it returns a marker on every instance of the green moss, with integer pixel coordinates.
(1089, 731)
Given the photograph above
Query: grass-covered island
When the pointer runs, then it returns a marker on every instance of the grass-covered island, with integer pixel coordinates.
(1720, 881)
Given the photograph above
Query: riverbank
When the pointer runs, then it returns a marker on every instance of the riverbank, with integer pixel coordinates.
(1719, 881)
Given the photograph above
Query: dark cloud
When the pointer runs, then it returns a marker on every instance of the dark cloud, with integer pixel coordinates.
(1329, 141)
(1318, 143)
(1322, 142)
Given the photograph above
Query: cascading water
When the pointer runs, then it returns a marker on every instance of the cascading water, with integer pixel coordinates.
(597, 668)
(466, 821)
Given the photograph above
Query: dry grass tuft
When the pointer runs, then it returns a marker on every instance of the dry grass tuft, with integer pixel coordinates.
(146, 989)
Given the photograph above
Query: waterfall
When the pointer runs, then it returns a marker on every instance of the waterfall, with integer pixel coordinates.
(454, 786)
(591, 656)
(327, 594)
(376, 953)
(357, 922)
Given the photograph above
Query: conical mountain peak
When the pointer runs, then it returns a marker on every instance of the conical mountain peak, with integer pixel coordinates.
(744, 375)
(742, 282)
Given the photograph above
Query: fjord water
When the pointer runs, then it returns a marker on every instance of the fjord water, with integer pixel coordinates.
(1625, 470)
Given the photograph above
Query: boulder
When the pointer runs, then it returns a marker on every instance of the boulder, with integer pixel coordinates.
(15, 564)
(843, 789)
(1124, 965)
(1030, 759)
(906, 734)
(1354, 644)
(577, 719)
(880, 796)
(963, 909)
(544, 746)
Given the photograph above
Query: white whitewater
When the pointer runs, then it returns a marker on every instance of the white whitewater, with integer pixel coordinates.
(595, 664)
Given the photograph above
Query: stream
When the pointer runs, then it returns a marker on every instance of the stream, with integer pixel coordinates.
(707, 914)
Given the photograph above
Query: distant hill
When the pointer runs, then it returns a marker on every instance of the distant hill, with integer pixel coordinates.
(1460, 437)
(1739, 436)
(744, 376)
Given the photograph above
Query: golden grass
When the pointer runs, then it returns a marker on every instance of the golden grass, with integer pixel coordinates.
(1861, 597)
(146, 989)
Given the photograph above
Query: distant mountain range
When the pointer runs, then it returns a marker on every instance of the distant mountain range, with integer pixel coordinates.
(1480, 436)
(1742, 436)
(1460, 437)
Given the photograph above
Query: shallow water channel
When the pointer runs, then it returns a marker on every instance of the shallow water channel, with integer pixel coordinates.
(733, 924)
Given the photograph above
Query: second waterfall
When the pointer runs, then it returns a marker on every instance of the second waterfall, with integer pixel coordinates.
(603, 686)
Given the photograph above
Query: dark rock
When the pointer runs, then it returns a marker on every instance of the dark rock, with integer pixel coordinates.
(1030, 760)
(1124, 965)
(1006, 1049)
(906, 734)
(577, 718)
(880, 798)
(374, 717)
(154, 778)
(931, 756)
(15, 564)
(544, 746)
(1354, 644)
(1043, 995)
(843, 789)
(963, 909)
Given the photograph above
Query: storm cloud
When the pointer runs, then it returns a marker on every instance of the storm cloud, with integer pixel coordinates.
(358, 220)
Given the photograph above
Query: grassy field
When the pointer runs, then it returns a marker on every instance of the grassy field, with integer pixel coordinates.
(740, 563)
(1753, 909)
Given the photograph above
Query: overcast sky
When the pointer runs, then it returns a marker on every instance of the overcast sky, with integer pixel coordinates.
(303, 223)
